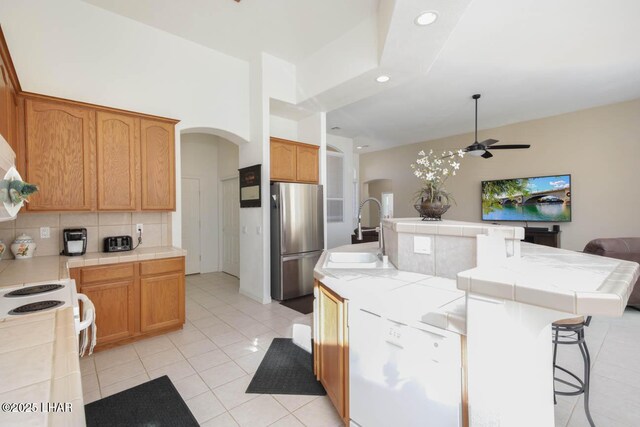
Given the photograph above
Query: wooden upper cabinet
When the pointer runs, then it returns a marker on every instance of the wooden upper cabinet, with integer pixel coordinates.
(60, 144)
(157, 165)
(294, 161)
(5, 94)
(9, 89)
(117, 149)
(307, 165)
(283, 161)
(8, 109)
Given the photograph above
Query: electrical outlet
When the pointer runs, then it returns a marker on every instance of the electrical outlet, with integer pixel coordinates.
(45, 232)
(422, 245)
(140, 229)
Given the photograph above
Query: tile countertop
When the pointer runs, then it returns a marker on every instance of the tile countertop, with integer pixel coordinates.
(39, 365)
(452, 228)
(40, 269)
(400, 296)
(563, 280)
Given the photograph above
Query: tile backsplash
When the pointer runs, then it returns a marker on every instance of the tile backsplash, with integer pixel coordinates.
(157, 229)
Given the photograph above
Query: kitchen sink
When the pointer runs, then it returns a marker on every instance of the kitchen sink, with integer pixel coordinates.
(353, 260)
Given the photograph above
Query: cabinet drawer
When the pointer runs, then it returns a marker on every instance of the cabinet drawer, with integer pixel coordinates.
(166, 265)
(106, 273)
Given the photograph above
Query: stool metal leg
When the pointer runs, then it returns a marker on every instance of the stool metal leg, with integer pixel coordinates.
(555, 356)
(581, 386)
(587, 376)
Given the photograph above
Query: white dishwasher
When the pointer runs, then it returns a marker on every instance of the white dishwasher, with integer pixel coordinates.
(403, 375)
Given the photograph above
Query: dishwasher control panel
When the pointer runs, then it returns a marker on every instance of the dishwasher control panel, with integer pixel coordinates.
(394, 333)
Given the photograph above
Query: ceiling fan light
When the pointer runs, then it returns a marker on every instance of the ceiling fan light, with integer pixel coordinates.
(476, 153)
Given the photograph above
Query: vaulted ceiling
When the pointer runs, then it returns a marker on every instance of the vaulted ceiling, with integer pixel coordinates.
(288, 29)
(528, 58)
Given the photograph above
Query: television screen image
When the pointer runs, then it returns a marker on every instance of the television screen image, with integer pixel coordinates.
(541, 199)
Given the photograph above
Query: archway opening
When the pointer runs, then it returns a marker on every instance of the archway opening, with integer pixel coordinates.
(209, 208)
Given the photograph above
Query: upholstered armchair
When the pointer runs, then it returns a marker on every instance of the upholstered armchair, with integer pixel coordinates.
(627, 248)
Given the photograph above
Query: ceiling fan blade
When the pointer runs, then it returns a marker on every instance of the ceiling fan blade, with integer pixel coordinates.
(488, 142)
(487, 155)
(508, 147)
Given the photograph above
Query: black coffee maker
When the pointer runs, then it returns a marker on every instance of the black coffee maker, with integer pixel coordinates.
(75, 241)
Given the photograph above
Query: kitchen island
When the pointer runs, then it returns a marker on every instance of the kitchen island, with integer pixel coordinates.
(463, 326)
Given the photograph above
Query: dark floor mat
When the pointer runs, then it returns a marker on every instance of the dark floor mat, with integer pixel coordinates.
(303, 304)
(286, 369)
(154, 403)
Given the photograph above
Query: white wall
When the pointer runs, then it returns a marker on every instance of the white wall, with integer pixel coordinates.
(283, 128)
(71, 49)
(228, 153)
(599, 147)
(209, 159)
(339, 233)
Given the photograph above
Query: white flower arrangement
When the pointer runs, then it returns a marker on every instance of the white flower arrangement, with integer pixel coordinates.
(434, 170)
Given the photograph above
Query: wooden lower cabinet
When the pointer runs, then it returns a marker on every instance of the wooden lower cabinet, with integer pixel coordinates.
(134, 300)
(331, 348)
(161, 295)
(115, 309)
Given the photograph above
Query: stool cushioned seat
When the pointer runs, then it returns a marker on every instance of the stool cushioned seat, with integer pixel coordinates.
(571, 321)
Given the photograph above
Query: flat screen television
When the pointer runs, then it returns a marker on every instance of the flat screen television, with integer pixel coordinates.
(534, 199)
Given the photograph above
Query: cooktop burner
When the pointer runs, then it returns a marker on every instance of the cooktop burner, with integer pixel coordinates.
(33, 290)
(36, 306)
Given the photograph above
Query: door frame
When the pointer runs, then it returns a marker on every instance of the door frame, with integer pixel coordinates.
(221, 220)
(197, 178)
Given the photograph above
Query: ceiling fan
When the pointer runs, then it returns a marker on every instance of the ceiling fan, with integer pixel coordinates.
(481, 149)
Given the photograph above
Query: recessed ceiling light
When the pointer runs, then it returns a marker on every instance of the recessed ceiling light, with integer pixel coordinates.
(383, 79)
(426, 18)
(360, 147)
(336, 128)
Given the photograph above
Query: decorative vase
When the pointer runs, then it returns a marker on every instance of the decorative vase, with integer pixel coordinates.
(431, 211)
(3, 248)
(23, 247)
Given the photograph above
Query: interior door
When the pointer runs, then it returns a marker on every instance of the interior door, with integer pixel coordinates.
(231, 227)
(191, 224)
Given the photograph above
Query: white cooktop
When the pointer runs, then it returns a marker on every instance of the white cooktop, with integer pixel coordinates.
(66, 295)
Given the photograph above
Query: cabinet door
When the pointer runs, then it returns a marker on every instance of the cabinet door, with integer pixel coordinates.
(117, 146)
(60, 141)
(5, 103)
(332, 356)
(307, 164)
(161, 301)
(115, 309)
(283, 161)
(157, 165)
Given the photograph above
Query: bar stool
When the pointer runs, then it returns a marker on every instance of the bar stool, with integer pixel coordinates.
(571, 332)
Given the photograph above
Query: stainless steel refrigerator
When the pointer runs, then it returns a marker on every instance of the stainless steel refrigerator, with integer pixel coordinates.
(297, 238)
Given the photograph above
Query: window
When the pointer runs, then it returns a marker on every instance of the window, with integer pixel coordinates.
(335, 187)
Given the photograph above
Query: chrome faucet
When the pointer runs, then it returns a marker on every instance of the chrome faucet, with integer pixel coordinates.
(381, 236)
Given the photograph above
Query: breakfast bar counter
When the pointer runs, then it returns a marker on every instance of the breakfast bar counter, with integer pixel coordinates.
(481, 282)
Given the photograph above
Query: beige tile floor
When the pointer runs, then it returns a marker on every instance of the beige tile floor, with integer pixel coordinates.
(212, 360)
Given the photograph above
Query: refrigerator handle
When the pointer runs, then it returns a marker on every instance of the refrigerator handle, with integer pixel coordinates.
(301, 256)
(283, 220)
